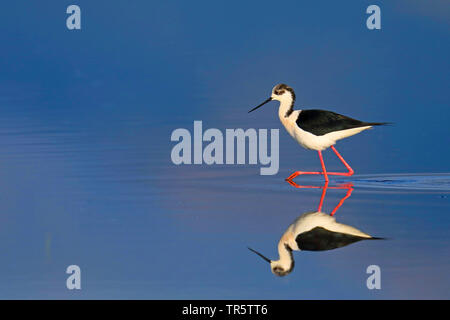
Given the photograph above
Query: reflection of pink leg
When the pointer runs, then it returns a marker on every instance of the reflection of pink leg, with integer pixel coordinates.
(324, 191)
(348, 186)
(349, 193)
(340, 186)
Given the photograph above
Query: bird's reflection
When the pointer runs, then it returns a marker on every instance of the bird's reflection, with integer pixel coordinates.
(314, 231)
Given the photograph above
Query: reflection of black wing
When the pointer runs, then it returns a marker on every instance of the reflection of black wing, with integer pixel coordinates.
(320, 122)
(319, 239)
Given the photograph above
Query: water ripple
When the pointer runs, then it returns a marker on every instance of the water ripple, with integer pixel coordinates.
(407, 181)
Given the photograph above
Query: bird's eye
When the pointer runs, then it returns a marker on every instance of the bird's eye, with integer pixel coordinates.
(279, 92)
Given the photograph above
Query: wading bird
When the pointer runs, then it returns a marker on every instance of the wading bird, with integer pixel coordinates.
(315, 129)
(314, 231)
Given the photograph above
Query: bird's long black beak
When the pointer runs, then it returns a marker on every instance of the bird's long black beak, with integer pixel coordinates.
(268, 100)
(259, 254)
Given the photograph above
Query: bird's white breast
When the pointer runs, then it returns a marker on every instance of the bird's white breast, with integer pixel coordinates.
(304, 138)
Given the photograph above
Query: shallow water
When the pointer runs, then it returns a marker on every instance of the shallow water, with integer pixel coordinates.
(86, 177)
(141, 228)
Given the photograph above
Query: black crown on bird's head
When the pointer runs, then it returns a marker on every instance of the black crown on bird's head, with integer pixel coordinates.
(281, 88)
(283, 93)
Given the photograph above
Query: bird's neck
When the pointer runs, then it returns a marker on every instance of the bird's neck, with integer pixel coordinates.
(286, 259)
(286, 106)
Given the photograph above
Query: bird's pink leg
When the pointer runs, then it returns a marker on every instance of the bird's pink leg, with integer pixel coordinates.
(323, 166)
(350, 170)
(297, 173)
(324, 172)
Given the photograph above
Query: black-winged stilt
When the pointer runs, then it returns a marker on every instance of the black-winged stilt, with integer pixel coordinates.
(314, 231)
(315, 129)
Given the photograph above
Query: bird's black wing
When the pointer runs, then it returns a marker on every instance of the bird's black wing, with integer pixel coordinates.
(319, 239)
(320, 122)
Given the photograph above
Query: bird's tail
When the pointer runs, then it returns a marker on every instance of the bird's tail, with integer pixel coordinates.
(378, 123)
(377, 238)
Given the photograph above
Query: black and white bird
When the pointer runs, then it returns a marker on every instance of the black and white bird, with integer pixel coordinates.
(312, 231)
(315, 129)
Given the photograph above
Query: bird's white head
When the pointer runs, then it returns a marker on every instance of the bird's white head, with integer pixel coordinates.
(283, 93)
